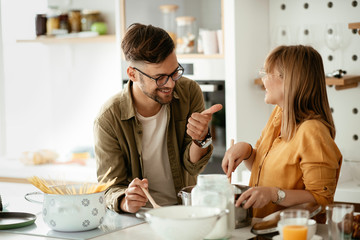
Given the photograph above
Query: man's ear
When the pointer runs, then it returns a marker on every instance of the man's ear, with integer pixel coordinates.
(131, 73)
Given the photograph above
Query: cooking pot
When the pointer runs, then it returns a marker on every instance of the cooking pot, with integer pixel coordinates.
(242, 216)
(185, 195)
(70, 213)
(182, 222)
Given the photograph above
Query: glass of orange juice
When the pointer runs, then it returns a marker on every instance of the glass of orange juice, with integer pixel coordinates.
(293, 224)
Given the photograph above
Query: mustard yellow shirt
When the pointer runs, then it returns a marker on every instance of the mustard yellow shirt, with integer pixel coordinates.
(309, 161)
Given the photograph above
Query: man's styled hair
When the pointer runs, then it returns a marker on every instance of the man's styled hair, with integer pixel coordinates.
(305, 96)
(146, 43)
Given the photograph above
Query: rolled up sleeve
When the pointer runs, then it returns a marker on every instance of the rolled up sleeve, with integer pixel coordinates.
(320, 164)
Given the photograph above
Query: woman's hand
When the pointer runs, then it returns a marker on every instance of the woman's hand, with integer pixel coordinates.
(256, 197)
(234, 156)
(134, 198)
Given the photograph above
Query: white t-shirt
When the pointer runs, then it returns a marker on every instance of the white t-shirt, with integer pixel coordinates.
(156, 159)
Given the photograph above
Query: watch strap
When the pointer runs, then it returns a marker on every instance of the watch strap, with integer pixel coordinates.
(280, 196)
(206, 142)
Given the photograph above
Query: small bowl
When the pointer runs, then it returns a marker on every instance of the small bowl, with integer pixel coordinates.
(311, 228)
(182, 222)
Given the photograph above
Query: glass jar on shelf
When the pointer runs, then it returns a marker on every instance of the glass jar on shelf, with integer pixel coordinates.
(88, 17)
(186, 34)
(169, 23)
(53, 21)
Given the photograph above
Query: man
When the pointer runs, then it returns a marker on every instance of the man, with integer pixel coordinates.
(154, 134)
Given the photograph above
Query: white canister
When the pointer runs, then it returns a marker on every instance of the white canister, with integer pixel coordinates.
(214, 190)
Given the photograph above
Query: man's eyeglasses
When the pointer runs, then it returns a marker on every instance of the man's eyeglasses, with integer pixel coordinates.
(163, 79)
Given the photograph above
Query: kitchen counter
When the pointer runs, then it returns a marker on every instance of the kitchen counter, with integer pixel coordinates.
(13, 196)
(13, 170)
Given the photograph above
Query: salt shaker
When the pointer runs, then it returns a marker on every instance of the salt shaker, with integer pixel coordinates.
(214, 190)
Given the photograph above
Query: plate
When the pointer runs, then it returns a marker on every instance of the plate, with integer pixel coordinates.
(315, 237)
(10, 220)
(269, 223)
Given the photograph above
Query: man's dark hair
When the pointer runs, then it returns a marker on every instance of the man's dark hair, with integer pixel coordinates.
(146, 43)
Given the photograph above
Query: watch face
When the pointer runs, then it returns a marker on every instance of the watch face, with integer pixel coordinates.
(281, 194)
(207, 143)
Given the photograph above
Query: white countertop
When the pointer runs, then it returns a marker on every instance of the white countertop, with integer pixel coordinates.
(13, 194)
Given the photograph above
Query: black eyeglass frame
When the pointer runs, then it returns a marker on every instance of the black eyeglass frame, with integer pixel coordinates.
(163, 75)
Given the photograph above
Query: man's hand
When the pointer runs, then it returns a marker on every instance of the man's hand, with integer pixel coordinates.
(197, 126)
(134, 198)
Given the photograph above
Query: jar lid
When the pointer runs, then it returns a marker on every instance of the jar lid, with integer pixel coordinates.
(53, 12)
(168, 8)
(185, 20)
(212, 178)
(88, 12)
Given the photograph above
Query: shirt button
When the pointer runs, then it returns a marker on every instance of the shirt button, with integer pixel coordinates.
(140, 132)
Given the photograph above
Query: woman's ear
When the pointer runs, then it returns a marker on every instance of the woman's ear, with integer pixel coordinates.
(131, 73)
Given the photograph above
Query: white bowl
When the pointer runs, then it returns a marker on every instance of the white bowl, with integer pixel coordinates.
(311, 228)
(182, 222)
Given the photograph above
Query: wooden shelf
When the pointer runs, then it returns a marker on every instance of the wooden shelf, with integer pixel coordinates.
(60, 40)
(102, 39)
(199, 55)
(346, 82)
(355, 26)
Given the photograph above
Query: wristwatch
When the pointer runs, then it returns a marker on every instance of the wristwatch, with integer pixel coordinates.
(204, 143)
(280, 196)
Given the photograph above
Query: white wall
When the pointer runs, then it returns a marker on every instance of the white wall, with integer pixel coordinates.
(53, 91)
(317, 18)
(246, 46)
(252, 30)
(2, 95)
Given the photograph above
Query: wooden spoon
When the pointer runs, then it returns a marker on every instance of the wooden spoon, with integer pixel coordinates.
(231, 144)
(152, 201)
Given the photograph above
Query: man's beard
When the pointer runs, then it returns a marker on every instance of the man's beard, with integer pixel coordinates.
(153, 95)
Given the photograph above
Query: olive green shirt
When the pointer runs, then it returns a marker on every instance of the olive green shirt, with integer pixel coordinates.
(118, 133)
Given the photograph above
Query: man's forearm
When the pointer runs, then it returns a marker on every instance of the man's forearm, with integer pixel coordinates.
(196, 152)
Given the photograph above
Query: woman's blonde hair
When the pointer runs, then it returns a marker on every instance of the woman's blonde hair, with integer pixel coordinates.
(301, 68)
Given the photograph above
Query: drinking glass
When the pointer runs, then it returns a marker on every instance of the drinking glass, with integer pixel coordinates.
(339, 218)
(293, 224)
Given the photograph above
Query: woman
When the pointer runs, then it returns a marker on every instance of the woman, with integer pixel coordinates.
(296, 159)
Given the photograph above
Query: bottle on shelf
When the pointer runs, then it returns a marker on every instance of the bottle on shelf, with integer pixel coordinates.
(75, 20)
